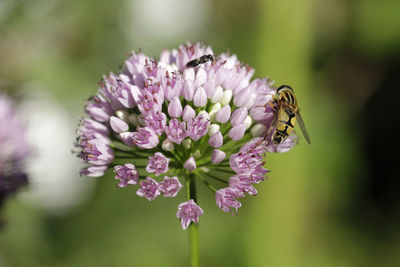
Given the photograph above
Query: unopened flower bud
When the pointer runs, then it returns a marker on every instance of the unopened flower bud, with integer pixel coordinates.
(118, 125)
(190, 164)
(213, 129)
(223, 114)
(218, 94)
(217, 156)
(226, 99)
(167, 145)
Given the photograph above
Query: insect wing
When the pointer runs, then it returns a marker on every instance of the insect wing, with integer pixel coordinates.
(303, 127)
(272, 126)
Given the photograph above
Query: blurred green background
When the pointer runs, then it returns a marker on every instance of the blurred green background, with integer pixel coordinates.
(334, 203)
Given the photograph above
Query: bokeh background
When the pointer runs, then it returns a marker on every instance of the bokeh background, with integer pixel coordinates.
(334, 203)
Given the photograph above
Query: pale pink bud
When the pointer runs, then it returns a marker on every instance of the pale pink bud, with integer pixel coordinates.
(188, 90)
(216, 140)
(201, 77)
(217, 156)
(200, 97)
(118, 125)
(237, 132)
(223, 114)
(175, 107)
(238, 116)
(242, 97)
(190, 164)
(188, 113)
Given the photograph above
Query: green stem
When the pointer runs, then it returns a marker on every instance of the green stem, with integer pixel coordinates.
(193, 227)
(206, 182)
(194, 244)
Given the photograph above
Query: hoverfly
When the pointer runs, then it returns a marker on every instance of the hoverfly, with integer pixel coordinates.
(201, 60)
(286, 114)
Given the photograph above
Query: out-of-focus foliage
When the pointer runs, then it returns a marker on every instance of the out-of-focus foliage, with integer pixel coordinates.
(334, 203)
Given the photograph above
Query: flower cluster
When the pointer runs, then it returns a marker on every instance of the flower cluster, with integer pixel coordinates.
(13, 150)
(158, 123)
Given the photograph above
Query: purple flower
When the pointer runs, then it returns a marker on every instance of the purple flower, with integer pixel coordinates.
(170, 186)
(149, 189)
(207, 120)
(145, 138)
(198, 127)
(242, 183)
(95, 148)
(188, 212)
(172, 84)
(176, 131)
(158, 164)
(226, 199)
(121, 93)
(151, 98)
(156, 120)
(98, 108)
(248, 158)
(126, 174)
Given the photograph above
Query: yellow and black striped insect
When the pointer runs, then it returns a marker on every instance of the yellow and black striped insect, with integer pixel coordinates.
(201, 60)
(286, 114)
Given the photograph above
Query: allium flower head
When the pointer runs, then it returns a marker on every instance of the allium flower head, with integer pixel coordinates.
(158, 119)
(13, 150)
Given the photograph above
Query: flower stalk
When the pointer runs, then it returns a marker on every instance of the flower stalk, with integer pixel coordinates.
(193, 227)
